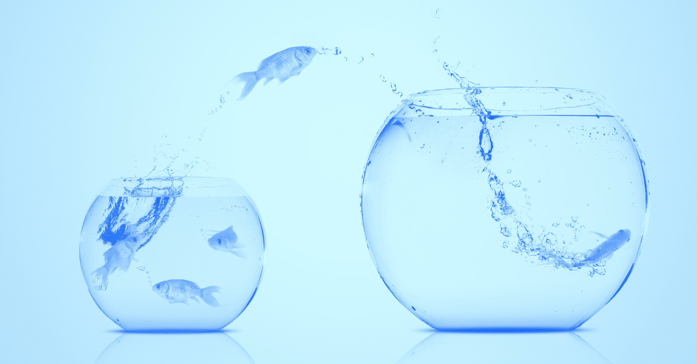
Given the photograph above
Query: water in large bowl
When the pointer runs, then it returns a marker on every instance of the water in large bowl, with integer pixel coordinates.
(504, 208)
(172, 253)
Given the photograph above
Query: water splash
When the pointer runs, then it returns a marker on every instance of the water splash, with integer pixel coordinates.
(546, 247)
(461, 80)
(132, 220)
(500, 208)
(485, 144)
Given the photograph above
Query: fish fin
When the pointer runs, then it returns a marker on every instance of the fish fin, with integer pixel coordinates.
(294, 72)
(209, 233)
(249, 78)
(195, 299)
(127, 264)
(207, 295)
(599, 234)
(239, 253)
(102, 273)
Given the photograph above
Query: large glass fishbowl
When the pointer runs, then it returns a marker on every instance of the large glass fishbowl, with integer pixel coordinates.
(504, 207)
(170, 254)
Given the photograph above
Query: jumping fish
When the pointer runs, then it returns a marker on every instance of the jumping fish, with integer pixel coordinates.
(282, 65)
(119, 256)
(180, 291)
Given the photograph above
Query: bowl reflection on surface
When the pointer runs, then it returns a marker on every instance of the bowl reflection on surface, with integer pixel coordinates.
(135, 348)
(535, 347)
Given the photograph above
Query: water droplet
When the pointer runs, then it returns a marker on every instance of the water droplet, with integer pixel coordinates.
(525, 189)
(360, 60)
(345, 59)
(555, 224)
(536, 82)
(383, 78)
(222, 99)
(228, 92)
(505, 231)
(516, 183)
(574, 218)
(372, 54)
(337, 51)
(504, 103)
(147, 272)
(508, 171)
(141, 268)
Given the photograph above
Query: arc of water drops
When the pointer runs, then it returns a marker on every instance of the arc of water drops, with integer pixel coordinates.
(500, 208)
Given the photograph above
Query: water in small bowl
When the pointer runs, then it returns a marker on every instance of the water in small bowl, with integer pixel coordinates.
(504, 207)
(177, 253)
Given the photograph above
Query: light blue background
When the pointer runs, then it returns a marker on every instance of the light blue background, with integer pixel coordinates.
(87, 90)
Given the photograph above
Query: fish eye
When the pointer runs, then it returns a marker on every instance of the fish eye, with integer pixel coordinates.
(307, 51)
(219, 242)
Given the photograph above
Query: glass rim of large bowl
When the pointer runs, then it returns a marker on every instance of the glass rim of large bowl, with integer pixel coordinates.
(513, 100)
(173, 186)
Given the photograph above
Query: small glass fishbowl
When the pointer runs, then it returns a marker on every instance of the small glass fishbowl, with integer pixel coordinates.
(504, 207)
(175, 253)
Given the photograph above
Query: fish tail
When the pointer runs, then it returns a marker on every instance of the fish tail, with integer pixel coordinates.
(239, 253)
(207, 295)
(249, 78)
